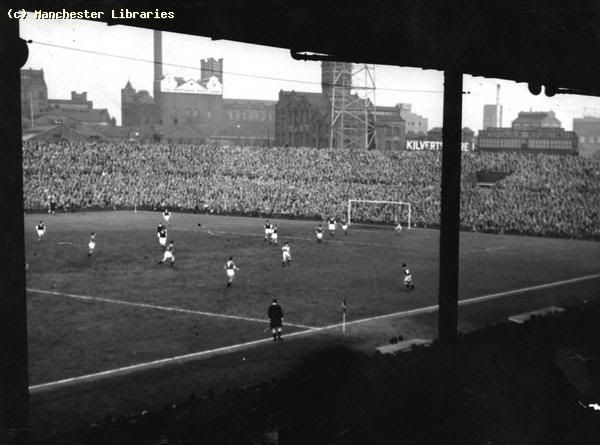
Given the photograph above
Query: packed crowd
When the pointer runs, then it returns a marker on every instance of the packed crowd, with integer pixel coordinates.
(542, 194)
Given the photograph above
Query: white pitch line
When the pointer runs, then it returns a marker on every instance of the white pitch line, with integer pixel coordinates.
(434, 308)
(161, 308)
(428, 309)
(487, 249)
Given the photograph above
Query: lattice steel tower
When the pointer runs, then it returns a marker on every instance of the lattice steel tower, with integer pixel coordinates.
(350, 89)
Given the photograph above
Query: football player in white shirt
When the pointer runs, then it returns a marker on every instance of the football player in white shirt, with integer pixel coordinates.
(319, 233)
(286, 255)
(41, 230)
(230, 267)
(268, 230)
(345, 227)
(162, 237)
(91, 244)
(408, 282)
(169, 254)
(331, 226)
(167, 215)
(274, 236)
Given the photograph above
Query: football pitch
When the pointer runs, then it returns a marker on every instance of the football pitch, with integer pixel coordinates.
(120, 310)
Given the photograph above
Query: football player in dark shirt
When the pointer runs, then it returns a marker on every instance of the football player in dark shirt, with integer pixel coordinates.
(41, 230)
(268, 230)
(52, 208)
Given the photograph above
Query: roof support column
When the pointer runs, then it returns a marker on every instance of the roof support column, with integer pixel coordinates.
(14, 392)
(450, 208)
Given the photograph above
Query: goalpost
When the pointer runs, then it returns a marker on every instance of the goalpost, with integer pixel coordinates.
(401, 215)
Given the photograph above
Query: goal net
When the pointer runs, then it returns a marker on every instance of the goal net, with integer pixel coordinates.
(379, 212)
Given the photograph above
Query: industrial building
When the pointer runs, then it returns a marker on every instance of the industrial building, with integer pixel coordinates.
(531, 132)
(194, 110)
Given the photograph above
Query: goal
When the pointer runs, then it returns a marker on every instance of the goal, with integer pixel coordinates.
(386, 212)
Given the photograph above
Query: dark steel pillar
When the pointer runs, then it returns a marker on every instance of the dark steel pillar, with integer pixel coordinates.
(14, 395)
(450, 212)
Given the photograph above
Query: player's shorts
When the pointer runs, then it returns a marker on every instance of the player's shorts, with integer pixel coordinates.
(287, 256)
(344, 227)
(230, 273)
(274, 237)
(166, 217)
(162, 241)
(276, 323)
(331, 227)
(92, 246)
(168, 256)
(319, 236)
(408, 279)
(39, 232)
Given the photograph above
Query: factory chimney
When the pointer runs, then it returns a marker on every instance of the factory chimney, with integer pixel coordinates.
(498, 107)
(158, 74)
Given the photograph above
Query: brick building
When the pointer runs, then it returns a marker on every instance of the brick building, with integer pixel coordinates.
(194, 110)
(391, 128)
(533, 140)
(137, 107)
(335, 74)
(588, 132)
(302, 119)
(34, 96)
(535, 119)
(415, 124)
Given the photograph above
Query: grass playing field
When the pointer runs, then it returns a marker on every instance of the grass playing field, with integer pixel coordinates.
(121, 308)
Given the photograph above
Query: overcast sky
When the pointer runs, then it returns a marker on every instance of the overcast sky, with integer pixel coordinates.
(79, 55)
